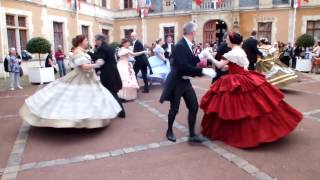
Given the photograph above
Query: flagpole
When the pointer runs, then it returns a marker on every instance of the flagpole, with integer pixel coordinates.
(77, 16)
(294, 21)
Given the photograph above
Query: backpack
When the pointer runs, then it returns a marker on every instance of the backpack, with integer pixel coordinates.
(6, 64)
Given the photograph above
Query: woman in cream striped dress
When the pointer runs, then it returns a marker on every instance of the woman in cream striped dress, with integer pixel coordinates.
(77, 100)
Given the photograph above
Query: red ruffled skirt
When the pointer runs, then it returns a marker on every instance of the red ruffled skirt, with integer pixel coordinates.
(244, 110)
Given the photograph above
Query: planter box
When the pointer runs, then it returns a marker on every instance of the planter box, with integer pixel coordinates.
(41, 75)
(304, 65)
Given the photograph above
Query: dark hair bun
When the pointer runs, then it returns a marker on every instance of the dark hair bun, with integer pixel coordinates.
(235, 38)
(124, 40)
(78, 40)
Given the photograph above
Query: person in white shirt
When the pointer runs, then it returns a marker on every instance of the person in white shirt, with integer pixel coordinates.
(168, 47)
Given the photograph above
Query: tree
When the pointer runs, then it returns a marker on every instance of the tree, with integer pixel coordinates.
(305, 41)
(39, 45)
(114, 45)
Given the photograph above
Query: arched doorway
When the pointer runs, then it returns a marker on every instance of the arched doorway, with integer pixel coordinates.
(213, 31)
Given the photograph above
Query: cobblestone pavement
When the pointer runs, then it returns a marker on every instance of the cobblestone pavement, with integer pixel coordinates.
(136, 148)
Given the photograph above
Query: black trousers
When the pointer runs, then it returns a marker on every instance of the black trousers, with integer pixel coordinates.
(252, 66)
(184, 90)
(294, 62)
(219, 74)
(144, 71)
(286, 60)
(115, 95)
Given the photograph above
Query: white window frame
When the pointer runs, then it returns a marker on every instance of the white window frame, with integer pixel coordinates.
(172, 24)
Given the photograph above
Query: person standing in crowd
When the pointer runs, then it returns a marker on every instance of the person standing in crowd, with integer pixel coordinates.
(130, 84)
(70, 63)
(168, 47)
(243, 109)
(50, 61)
(296, 53)
(316, 59)
(77, 100)
(178, 84)
(222, 49)
(59, 55)
(141, 63)
(14, 68)
(250, 46)
(109, 74)
(287, 54)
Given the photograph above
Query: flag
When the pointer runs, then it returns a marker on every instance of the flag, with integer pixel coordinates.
(297, 3)
(148, 3)
(198, 2)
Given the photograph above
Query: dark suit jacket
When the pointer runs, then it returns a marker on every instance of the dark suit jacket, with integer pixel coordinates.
(184, 63)
(222, 49)
(165, 47)
(110, 77)
(142, 59)
(250, 46)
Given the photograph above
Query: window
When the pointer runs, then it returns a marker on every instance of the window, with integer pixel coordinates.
(22, 21)
(10, 20)
(168, 2)
(12, 41)
(127, 33)
(104, 3)
(58, 34)
(249, 3)
(168, 31)
(23, 39)
(105, 32)
(17, 31)
(313, 28)
(128, 4)
(279, 2)
(265, 30)
(85, 31)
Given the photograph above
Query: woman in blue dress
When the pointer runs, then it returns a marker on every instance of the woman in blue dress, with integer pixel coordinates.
(159, 63)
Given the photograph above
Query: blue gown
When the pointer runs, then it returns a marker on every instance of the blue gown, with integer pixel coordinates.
(160, 68)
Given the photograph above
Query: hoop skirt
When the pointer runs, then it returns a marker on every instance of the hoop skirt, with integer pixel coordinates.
(130, 84)
(277, 73)
(243, 110)
(78, 100)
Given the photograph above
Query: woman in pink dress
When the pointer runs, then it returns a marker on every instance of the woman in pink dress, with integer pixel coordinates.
(129, 81)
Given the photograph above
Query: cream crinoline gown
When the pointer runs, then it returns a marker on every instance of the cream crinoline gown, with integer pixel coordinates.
(77, 100)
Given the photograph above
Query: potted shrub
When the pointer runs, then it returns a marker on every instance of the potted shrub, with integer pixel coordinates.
(40, 74)
(306, 41)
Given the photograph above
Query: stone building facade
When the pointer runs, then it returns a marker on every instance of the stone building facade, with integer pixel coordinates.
(59, 22)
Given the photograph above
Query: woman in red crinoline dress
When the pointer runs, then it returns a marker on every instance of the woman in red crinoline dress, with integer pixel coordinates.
(242, 109)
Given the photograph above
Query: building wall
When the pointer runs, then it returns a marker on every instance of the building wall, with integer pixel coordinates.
(279, 18)
(303, 15)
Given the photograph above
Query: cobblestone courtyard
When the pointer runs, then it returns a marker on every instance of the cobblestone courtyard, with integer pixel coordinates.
(135, 148)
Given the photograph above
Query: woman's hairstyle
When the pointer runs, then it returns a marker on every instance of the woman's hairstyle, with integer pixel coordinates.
(235, 38)
(319, 43)
(78, 40)
(158, 40)
(123, 41)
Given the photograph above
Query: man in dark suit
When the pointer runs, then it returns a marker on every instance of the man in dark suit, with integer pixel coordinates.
(222, 49)
(250, 46)
(109, 77)
(168, 47)
(141, 62)
(178, 83)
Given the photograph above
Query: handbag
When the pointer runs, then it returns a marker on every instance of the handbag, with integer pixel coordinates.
(21, 72)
